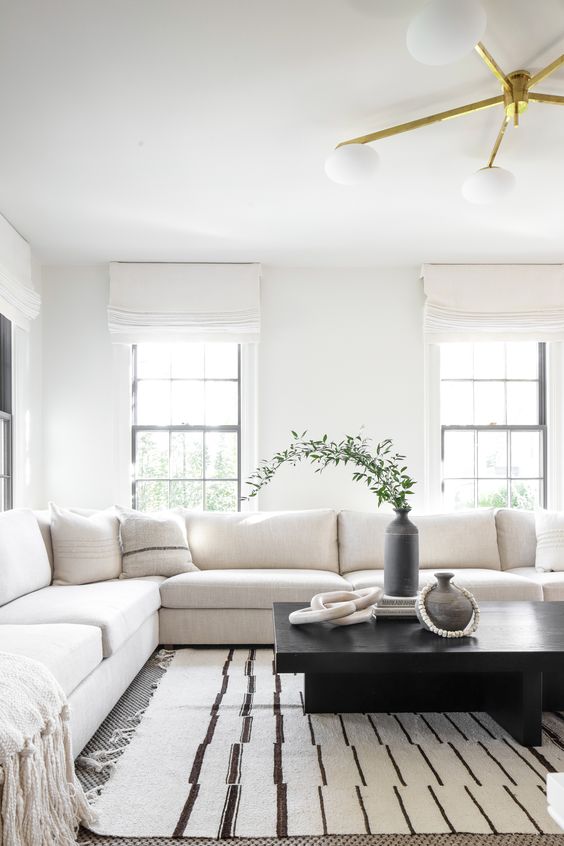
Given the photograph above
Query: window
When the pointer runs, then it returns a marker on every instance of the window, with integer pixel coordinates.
(493, 425)
(186, 437)
(5, 414)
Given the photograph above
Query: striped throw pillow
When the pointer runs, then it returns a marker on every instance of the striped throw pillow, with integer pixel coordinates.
(550, 540)
(153, 544)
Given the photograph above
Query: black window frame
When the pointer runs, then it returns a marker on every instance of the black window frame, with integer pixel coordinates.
(6, 417)
(540, 427)
(232, 428)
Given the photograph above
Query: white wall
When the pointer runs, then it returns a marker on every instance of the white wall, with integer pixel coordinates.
(78, 412)
(339, 349)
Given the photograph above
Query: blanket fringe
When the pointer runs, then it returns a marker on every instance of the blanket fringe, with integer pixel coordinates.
(42, 804)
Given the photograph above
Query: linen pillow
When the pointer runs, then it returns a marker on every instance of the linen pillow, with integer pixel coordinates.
(85, 549)
(153, 544)
(550, 540)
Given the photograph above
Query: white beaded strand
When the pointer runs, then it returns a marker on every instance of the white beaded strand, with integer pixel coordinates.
(422, 609)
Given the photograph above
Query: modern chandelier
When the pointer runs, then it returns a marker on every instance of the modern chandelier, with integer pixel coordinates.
(444, 31)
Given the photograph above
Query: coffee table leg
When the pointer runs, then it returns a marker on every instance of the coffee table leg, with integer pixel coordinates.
(514, 701)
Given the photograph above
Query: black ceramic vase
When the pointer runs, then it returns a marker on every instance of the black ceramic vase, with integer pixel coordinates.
(401, 556)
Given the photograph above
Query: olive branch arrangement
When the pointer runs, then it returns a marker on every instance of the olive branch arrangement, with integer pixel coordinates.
(382, 469)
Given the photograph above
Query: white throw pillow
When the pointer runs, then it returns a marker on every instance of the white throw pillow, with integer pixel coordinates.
(153, 544)
(85, 549)
(550, 540)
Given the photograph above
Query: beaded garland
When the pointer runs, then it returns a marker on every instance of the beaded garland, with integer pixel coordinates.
(429, 624)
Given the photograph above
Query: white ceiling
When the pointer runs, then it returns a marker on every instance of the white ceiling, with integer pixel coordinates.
(196, 130)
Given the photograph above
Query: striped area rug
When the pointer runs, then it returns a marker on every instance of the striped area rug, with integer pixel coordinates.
(225, 750)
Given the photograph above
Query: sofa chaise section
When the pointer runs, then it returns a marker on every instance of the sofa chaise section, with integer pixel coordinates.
(71, 652)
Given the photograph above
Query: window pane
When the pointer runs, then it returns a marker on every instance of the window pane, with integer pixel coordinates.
(489, 361)
(187, 361)
(221, 455)
(522, 360)
(222, 403)
(456, 403)
(186, 455)
(187, 495)
(151, 455)
(525, 494)
(153, 403)
(525, 454)
(458, 458)
(152, 496)
(222, 361)
(492, 494)
(492, 454)
(188, 403)
(153, 361)
(457, 361)
(489, 403)
(522, 403)
(221, 496)
(458, 494)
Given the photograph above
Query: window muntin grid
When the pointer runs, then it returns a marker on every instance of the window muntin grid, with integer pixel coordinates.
(493, 442)
(186, 433)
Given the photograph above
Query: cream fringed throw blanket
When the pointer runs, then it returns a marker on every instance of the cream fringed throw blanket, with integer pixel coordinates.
(41, 801)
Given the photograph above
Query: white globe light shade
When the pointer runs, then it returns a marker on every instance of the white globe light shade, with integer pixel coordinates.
(488, 185)
(445, 31)
(352, 164)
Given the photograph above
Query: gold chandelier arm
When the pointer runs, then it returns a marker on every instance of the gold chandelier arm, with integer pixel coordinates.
(498, 140)
(491, 63)
(542, 74)
(556, 99)
(425, 121)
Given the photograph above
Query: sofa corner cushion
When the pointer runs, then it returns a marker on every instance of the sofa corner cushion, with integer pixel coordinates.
(252, 588)
(24, 562)
(71, 652)
(486, 584)
(267, 539)
(516, 537)
(85, 549)
(464, 539)
(116, 607)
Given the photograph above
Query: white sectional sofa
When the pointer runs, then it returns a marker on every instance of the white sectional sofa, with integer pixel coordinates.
(96, 637)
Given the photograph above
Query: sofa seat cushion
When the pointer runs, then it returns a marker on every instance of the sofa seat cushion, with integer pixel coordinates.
(484, 584)
(254, 588)
(552, 584)
(461, 539)
(117, 607)
(69, 651)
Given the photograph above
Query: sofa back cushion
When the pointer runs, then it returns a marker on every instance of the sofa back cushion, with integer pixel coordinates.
(267, 539)
(460, 539)
(516, 538)
(24, 563)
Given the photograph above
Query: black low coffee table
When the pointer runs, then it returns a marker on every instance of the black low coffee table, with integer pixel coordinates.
(515, 658)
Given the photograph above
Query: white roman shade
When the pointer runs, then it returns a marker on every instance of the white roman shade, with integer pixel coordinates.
(18, 300)
(198, 302)
(493, 302)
